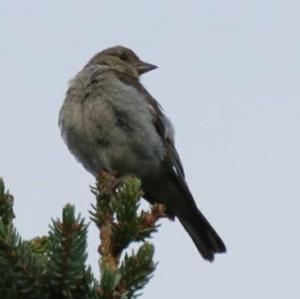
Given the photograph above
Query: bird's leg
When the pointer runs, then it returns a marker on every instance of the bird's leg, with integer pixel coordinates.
(109, 179)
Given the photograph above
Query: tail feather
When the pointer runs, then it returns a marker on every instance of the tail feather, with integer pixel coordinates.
(174, 193)
(203, 235)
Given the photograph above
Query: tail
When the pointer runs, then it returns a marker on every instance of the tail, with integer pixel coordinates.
(202, 233)
(174, 193)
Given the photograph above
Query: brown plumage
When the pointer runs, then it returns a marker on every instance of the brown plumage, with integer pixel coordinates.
(111, 122)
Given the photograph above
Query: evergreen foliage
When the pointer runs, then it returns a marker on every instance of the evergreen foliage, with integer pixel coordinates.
(55, 266)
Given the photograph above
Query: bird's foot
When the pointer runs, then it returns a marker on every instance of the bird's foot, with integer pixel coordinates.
(109, 179)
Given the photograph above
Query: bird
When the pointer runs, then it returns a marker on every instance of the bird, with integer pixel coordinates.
(110, 122)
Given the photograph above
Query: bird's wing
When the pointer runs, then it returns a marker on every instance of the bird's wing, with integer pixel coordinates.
(165, 130)
(162, 124)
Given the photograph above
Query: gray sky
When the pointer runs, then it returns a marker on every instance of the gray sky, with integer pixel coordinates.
(228, 77)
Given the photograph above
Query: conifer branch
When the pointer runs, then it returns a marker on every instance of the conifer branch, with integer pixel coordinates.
(20, 270)
(120, 223)
(54, 266)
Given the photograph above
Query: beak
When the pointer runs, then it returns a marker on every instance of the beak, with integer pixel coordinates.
(144, 67)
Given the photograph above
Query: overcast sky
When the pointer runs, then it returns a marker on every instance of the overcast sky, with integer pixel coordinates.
(228, 78)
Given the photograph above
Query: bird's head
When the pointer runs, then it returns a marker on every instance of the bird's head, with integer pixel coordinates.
(122, 59)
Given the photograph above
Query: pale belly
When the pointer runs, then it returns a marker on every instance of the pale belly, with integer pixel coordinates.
(108, 146)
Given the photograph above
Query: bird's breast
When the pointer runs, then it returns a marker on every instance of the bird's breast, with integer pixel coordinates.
(110, 126)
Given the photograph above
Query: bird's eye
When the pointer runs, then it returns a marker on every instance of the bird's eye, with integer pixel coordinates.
(124, 56)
